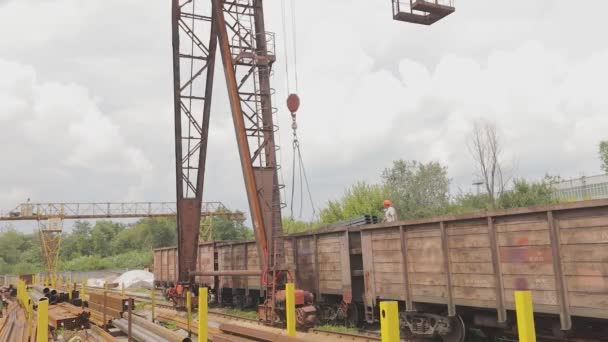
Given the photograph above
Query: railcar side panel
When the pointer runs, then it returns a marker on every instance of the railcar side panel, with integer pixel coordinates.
(306, 274)
(426, 264)
(205, 263)
(253, 263)
(330, 265)
(473, 277)
(583, 237)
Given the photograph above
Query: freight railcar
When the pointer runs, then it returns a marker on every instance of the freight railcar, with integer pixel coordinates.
(448, 273)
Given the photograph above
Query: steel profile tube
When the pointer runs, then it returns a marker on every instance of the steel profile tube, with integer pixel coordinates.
(156, 329)
(138, 333)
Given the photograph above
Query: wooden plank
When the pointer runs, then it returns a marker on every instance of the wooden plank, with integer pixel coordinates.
(424, 243)
(524, 238)
(469, 241)
(330, 275)
(474, 280)
(485, 294)
(526, 268)
(329, 239)
(330, 267)
(386, 256)
(472, 268)
(428, 279)
(436, 267)
(331, 284)
(329, 248)
(586, 235)
(526, 254)
(583, 222)
(428, 231)
(529, 282)
(448, 273)
(404, 271)
(585, 253)
(470, 255)
(386, 245)
(389, 291)
(454, 231)
(428, 291)
(329, 257)
(521, 226)
(434, 256)
(368, 269)
(538, 297)
(560, 279)
(586, 268)
(392, 267)
(587, 284)
(389, 278)
(385, 235)
(588, 300)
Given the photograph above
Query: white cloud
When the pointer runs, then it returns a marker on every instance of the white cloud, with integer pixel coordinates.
(86, 95)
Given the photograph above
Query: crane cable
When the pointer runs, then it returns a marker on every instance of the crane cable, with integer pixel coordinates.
(293, 103)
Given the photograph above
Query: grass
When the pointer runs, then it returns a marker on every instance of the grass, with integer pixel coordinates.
(170, 325)
(338, 328)
(140, 305)
(251, 314)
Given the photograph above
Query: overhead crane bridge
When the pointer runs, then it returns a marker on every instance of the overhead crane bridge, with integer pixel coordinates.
(50, 217)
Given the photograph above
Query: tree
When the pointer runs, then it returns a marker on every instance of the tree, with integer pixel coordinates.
(486, 148)
(226, 229)
(604, 155)
(526, 193)
(102, 235)
(360, 199)
(417, 189)
(291, 226)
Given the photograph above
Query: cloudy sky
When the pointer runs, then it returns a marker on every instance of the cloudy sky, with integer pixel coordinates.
(86, 95)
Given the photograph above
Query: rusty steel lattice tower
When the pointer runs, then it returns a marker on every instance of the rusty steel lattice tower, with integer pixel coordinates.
(235, 30)
(50, 239)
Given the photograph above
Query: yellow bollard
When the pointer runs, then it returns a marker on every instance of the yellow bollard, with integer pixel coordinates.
(290, 308)
(525, 316)
(59, 281)
(153, 303)
(202, 314)
(389, 321)
(82, 290)
(189, 308)
(122, 288)
(30, 314)
(42, 330)
(70, 292)
(53, 280)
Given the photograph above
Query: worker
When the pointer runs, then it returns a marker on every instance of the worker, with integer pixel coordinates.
(390, 214)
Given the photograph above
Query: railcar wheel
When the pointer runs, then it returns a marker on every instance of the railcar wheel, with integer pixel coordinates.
(458, 331)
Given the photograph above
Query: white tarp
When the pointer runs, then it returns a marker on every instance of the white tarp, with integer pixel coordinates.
(135, 279)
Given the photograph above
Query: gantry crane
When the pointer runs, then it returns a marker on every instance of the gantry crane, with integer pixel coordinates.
(50, 217)
(236, 28)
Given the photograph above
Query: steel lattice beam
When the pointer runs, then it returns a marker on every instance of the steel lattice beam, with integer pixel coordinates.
(237, 26)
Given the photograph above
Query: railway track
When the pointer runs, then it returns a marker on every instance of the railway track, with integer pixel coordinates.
(314, 333)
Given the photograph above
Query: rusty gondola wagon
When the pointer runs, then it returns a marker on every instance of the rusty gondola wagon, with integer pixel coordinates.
(447, 273)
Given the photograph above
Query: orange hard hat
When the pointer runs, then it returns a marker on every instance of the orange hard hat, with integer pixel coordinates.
(387, 203)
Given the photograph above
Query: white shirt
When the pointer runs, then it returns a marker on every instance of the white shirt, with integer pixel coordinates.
(390, 215)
